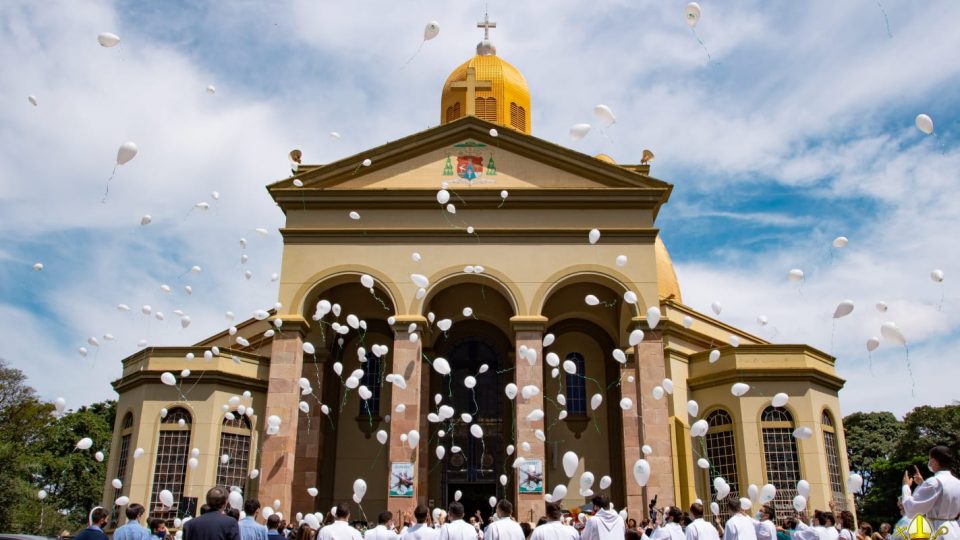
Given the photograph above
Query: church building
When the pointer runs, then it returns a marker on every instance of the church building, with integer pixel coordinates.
(448, 324)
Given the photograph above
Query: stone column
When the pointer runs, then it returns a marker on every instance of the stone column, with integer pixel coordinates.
(632, 427)
(277, 460)
(407, 363)
(528, 332)
(310, 437)
(655, 425)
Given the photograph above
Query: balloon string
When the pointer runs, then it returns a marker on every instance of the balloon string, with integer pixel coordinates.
(107, 191)
(378, 299)
(913, 382)
(700, 41)
(404, 66)
(870, 359)
(886, 20)
(942, 293)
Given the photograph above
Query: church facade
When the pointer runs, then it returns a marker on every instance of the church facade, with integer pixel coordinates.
(468, 243)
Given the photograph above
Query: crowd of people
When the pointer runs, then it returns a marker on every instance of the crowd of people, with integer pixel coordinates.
(936, 497)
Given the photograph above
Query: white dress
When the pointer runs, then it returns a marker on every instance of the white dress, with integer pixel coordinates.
(938, 499)
(699, 529)
(504, 529)
(420, 532)
(739, 527)
(670, 531)
(457, 530)
(766, 530)
(554, 530)
(380, 532)
(339, 530)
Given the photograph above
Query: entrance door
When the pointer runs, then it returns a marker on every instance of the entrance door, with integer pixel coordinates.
(475, 470)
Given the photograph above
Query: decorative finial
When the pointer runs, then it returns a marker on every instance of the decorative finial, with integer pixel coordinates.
(485, 47)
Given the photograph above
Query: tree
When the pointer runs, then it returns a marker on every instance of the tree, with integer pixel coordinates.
(926, 427)
(870, 437)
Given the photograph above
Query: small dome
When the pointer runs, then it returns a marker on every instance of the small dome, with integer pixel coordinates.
(667, 284)
(500, 93)
(605, 158)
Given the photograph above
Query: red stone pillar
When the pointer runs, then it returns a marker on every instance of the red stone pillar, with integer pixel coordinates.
(632, 427)
(655, 424)
(277, 460)
(529, 332)
(406, 363)
(310, 438)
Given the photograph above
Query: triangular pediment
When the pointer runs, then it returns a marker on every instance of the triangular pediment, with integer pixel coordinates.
(466, 155)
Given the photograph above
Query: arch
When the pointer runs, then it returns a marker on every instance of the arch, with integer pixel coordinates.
(720, 444)
(453, 276)
(235, 439)
(832, 454)
(343, 275)
(585, 273)
(175, 414)
(127, 421)
(122, 459)
(170, 467)
(781, 456)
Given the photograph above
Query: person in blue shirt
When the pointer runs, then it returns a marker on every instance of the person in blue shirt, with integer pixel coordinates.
(133, 529)
(249, 528)
(273, 527)
(98, 518)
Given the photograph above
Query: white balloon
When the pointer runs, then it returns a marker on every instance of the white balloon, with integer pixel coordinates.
(739, 389)
(703, 463)
(605, 482)
(840, 242)
(714, 508)
(855, 482)
(413, 438)
(844, 308)
(579, 131)
(431, 30)
(890, 331)
(382, 437)
(559, 492)
(745, 503)
(692, 14)
(367, 281)
(441, 366)
(925, 123)
(570, 367)
(359, 487)
(553, 360)
(687, 321)
(98, 456)
(308, 348)
(443, 196)
(621, 260)
(570, 463)
(667, 385)
(126, 152)
(780, 399)
(653, 317)
(646, 449)
(444, 324)
(803, 488)
(693, 408)
(420, 280)
(767, 493)
(548, 340)
(108, 39)
(604, 114)
(626, 404)
(535, 415)
(138, 453)
(166, 498)
(641, 472)
(591, 300)
(802, 433)
(116, 483)
(716, 307)
(619, 356)
(457, 494)
(657, 392)
(595, 402)
(476, 431)
(795, 275)
(121, 501)
(699, 428)
(873, 343)
(630, 297)
(753, 491)
(734, 341)
(936, 275)
(511, 389)
(714, 355)
(593, 236)
(441, 451)
(799, 503)
(636, 336)
(168, 379)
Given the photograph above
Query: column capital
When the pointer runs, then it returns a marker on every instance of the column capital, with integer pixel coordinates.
(529, 323)
(402, 322)
(294, 323)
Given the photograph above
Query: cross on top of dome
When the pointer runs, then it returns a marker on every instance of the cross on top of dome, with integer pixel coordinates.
(486, 47)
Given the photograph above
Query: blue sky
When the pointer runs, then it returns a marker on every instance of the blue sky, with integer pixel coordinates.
(799, 129)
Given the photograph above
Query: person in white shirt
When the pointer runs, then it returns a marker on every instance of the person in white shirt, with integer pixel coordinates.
(670, 530)
(420, 531)
(554, 529)
(847, 526)
(340, 529)
(384, 529)
(937, 497)
(504, 527)
(819, 530)
(766, 526)
(740, 525)
(605, 524)
(456, 528)
(700, 529)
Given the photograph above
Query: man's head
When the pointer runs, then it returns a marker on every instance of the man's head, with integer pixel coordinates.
(829, 517)
(733, 504)
(768, 512)
(342, 512)
(99, 516)
(822, 518)
(940, 459)
(600, 502)
(696, 510)
(420, 513)
(216, 499)
(157, 525)
(134, 511)
(553, 512)
(384, 518)
(673, 514)
(455, 511)
(273, 522)
(504, 508)
(250, 506)
(632, 534)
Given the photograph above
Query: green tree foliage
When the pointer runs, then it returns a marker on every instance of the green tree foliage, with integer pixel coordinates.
(37, 452)
(870, 437)
(926, 427)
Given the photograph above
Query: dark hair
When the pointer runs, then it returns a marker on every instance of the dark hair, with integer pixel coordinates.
(156, 523)
(233, 512)
(790, 523)
(846, 519)
(304, 532)
(696, 510)
(674, 514)
(942, 455)
(273, 522)
(343, 511)
(541, 521)
(420, 513)
(829, 517)
(525, 527)
(733, 504)
(505, 506)
(631, 520)
(455, 510)
(553, 511)
(867, 528)
(769, 510)
(600, 502)
(216, 498)
(384, 517)
(822, 517)
(632, 534)
(134, 511)
(204, 508)
(99, 514)
(250, 506)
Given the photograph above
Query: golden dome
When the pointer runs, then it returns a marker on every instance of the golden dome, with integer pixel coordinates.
(605, 158)
(667, 284)
(500, 93)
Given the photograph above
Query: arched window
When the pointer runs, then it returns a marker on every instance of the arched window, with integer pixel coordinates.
(126, 433)
(173, 451)
(780, 456)
(486, 108)
(518, 117)
(453, 112)
(235, 444)
(721, 452)
(371, 379)
(576, 387)
(833, 460)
